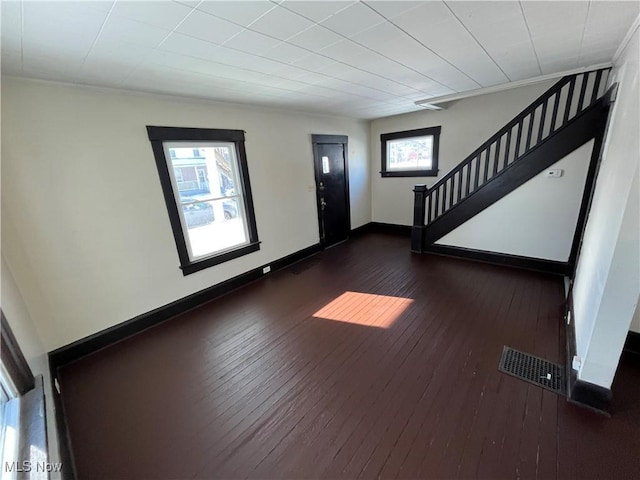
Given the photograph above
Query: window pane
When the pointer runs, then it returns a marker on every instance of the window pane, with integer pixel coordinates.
(9, 415)
(413, 153)
(205, 171)
(210, 197)
(7, 389)
(214, 226)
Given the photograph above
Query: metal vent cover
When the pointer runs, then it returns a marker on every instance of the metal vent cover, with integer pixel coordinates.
(533, 369)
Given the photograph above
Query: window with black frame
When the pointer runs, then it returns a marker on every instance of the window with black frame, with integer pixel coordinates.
(9, 420)
(410, 153)
(205, 180)
(16, 379)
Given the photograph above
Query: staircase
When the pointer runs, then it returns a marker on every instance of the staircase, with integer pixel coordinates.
(568, 115)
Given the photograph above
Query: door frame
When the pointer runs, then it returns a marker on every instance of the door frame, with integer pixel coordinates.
(317, 139)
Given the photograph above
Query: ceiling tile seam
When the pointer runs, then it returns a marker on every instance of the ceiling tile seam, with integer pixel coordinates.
(174, 30)
(337, 78)
(282, 78)
(144, 22)
(235, 23)
(276, 4)
(327, 57)
(383, 56)
(244, 27)
(477, 41)
(95, 40)
(366, 47)
(311, 71)
(247, 27)
(300, 81)
(584, 32)
(353, 95)
(418, 41)
(155, 49)
(535, 52)
(365, 71)
(186, 4)
(286, 40)
(315, 24)
(207, 76)
(135, 90)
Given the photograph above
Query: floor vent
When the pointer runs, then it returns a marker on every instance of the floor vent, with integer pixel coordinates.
(533, 370)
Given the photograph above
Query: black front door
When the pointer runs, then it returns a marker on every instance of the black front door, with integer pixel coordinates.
(332, 188)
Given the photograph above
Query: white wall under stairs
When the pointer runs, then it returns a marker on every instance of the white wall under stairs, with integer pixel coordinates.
(538, 219)
(607, 283)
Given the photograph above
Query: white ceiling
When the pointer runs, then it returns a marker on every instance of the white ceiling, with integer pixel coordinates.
(360, 59)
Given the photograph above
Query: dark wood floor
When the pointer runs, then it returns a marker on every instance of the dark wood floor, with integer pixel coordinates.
(363, 361)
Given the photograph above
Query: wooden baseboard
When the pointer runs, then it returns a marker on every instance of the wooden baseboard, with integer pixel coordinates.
(404, 230)
(62, 427)
(85, 346)
(579, 392)
(528, 263)
(571, 348)
(591, 396)
(379, 227)
(69, 353)
(361, 230)
(632, 344)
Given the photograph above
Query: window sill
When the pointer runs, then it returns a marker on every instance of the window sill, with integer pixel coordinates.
(31, 454)
(190, 268)
(411, 173)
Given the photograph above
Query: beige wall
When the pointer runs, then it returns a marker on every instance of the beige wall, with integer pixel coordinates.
(19, 319)
(466, 124)
(538, 219)
(91, 244)
(635, 323)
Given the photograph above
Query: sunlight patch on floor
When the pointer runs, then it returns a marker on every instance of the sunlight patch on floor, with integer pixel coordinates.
(365, 309)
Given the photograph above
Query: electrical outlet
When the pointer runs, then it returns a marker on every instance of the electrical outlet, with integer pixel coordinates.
(576, 363)
(266, 269)
(554, 173)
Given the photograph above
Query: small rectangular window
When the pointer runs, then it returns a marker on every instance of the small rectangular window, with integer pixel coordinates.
(206, 186)
(411, 153)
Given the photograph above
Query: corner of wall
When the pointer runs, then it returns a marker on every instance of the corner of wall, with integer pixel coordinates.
(607, 280)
